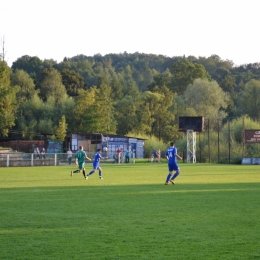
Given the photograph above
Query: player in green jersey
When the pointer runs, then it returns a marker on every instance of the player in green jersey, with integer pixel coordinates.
(80, 161)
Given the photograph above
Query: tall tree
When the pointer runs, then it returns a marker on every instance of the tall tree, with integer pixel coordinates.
(127, 74)
(61, 129)
(184, 73)
(7, 100)
(51, 85)
(32, 65)
(126, 114)
(214, 62)
(37, 116)
(104, 114)
(163, 126)
(147, 110)
(132, 90)
(25, 82)
(118, 87)
(228, 85)
(147, 79)
(206, 98)
(249, 99)
(32, 114)
(72, 82)
(164, 79)
(94, 111)
(84, 112)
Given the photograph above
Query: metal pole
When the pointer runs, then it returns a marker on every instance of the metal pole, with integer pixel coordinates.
(200, 147)
(218, 141)
(229, 140)
(208, 141)
(243, 138)
(107, 145)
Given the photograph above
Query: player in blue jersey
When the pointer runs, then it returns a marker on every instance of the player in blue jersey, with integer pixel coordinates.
(80, 161)
(96, 166)
(171, 156)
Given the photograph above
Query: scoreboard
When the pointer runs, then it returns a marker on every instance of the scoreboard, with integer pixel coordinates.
(195, 123)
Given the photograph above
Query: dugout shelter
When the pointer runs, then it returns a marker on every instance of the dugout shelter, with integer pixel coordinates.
(93, 141)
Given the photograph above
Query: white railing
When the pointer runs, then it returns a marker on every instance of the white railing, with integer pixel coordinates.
(51, 159)
(26, 159)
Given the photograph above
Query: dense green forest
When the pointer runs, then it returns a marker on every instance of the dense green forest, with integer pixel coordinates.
(137, 94)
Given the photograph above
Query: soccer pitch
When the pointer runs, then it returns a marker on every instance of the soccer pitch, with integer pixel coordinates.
(212, 212)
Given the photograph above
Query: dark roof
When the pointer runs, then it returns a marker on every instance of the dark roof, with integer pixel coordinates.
(106, 134)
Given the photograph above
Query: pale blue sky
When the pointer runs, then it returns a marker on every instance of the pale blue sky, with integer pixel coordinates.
(54, 29)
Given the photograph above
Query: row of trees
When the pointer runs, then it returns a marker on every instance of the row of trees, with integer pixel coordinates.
(123, 94)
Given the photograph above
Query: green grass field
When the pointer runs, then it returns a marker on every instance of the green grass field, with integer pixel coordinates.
(213, 212)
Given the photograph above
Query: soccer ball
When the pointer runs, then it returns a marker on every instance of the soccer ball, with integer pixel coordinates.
(105, 149)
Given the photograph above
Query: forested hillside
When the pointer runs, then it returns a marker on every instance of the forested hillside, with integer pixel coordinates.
(123, 93)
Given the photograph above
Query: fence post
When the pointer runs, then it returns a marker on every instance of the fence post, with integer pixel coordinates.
(133, 157)
(32, 159)
(55, 159)
(7, 160)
